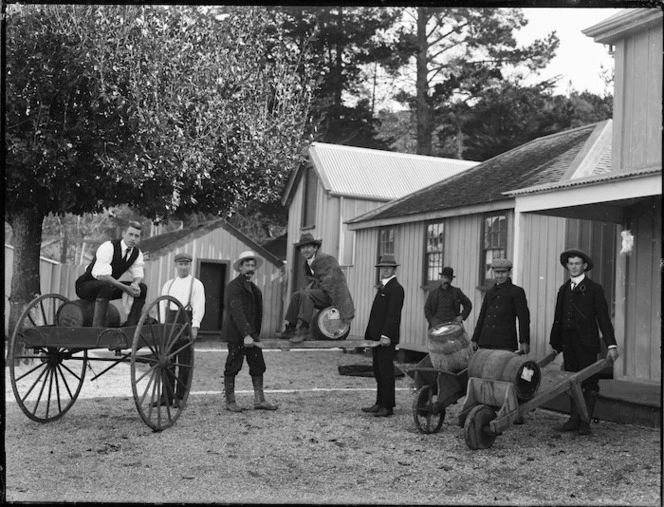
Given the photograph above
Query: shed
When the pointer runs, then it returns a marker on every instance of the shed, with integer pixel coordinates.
(214, 246)
(340, 182)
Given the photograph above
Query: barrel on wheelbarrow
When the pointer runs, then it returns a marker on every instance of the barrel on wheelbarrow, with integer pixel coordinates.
(449, 347)
(525, 375)
(327, 324)
(79, 313)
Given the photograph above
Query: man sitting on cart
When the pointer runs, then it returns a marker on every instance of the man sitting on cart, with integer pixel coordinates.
(100, 282)
(326, 286)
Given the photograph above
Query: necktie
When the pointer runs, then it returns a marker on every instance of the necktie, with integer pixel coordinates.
(126, 256)
(573, 284)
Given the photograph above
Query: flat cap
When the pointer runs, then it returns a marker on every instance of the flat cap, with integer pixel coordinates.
(183, 257)
(501, 264)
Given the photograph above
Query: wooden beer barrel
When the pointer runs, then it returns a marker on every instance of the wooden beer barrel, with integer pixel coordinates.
(449, 347)
(79, 313)
(327, 325)
(525, 375)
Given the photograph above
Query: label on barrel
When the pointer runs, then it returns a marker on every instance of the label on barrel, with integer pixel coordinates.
(527, 374)
(333, 315)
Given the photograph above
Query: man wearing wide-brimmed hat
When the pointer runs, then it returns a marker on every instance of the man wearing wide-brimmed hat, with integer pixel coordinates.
(383, 326)
(241, 329)
(444, 302)
(326, 286)
(581, 313)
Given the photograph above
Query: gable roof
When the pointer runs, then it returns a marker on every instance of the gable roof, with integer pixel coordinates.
(544, 160)
(156, 246)
(374, 174)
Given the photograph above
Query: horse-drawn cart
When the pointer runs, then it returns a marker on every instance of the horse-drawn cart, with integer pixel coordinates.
(48, 358)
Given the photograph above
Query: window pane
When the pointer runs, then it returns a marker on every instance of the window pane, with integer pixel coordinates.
(495, 242)
(435, 246)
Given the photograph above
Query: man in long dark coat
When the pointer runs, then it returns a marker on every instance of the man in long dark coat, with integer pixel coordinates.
(241, 329)
(581, 313)
(383, 326)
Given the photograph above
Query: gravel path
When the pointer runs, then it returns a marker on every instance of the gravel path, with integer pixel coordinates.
(318, 448)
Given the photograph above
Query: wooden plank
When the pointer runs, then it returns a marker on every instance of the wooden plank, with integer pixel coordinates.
(316, 344)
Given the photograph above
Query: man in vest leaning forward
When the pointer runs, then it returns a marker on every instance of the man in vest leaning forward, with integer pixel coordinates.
(100, 282)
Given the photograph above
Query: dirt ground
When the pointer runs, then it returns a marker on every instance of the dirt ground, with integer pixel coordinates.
(317, 448)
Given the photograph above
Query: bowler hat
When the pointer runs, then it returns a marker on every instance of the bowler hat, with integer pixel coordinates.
(574, 252)
(387, 260)
(447, 271)
(500, 263)
(307, 239)
(182, 257)
(248, 254)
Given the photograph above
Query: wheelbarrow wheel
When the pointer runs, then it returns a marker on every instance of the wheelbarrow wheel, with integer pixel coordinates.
(45, 380)
(476, 428)
(427, 412)
(162, 363)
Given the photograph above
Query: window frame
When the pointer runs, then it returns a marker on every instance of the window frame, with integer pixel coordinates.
(309, 198)
(380, 250)
(502, 235)
(425, 261)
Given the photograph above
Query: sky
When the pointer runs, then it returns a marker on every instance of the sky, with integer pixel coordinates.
(578, 58)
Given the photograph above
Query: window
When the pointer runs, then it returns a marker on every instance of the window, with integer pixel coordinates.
(434, 251)
(494, 245)
(385, 244)
(309, 199)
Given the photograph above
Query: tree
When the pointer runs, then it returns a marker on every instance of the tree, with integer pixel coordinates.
(167, 109)
(457, 53)
(344, 41)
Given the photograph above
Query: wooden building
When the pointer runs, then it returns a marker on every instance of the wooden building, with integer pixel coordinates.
(596, 187)
(214, 246)
(341, 182)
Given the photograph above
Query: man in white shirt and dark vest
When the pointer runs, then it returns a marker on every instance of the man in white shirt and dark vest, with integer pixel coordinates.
(100, 282)
(189, 291)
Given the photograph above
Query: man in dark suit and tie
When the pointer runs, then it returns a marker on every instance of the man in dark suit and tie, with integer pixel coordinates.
(581, 313)
(383, 326)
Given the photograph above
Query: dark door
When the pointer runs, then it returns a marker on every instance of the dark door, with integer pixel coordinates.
(299, 279)
(213, 276)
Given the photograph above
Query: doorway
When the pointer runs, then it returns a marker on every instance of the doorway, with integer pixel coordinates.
(213, 275)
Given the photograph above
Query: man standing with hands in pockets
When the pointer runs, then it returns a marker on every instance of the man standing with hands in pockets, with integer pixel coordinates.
(383, 326)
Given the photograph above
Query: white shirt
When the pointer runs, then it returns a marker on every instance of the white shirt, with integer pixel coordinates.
(181, 289)
(310, 262)
(384, 282)
(105, 257)
(576, 280)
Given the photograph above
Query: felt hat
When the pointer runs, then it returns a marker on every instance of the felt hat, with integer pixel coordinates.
(501, 264)
(247, 254)
(307, 239)
(448, 271)
(575, 252)
(387, 260)
(183, 257)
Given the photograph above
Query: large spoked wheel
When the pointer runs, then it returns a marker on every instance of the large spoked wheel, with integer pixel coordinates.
(162, 363)
(328, 325)
(46, 380)
(476, 428)
(427, 412)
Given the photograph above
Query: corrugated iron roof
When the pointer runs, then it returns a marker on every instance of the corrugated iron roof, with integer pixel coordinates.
(378, 174)
(542, 161)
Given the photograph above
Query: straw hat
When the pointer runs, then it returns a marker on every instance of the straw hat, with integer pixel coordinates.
(248, 254)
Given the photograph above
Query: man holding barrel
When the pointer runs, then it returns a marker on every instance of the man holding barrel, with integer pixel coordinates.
(444, 303)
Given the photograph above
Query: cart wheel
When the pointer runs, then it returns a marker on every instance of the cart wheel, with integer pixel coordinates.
(161, 375)
(476, 428)
(46, 380)
(428, 415)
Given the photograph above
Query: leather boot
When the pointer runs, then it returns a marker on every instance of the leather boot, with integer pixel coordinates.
(99, 316)
(259, 395)
(591, 398)
(135, 312)
(229, 388)
(573, 421)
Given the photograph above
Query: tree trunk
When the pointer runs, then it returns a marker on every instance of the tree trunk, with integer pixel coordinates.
(26, 227)
(423, 106)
